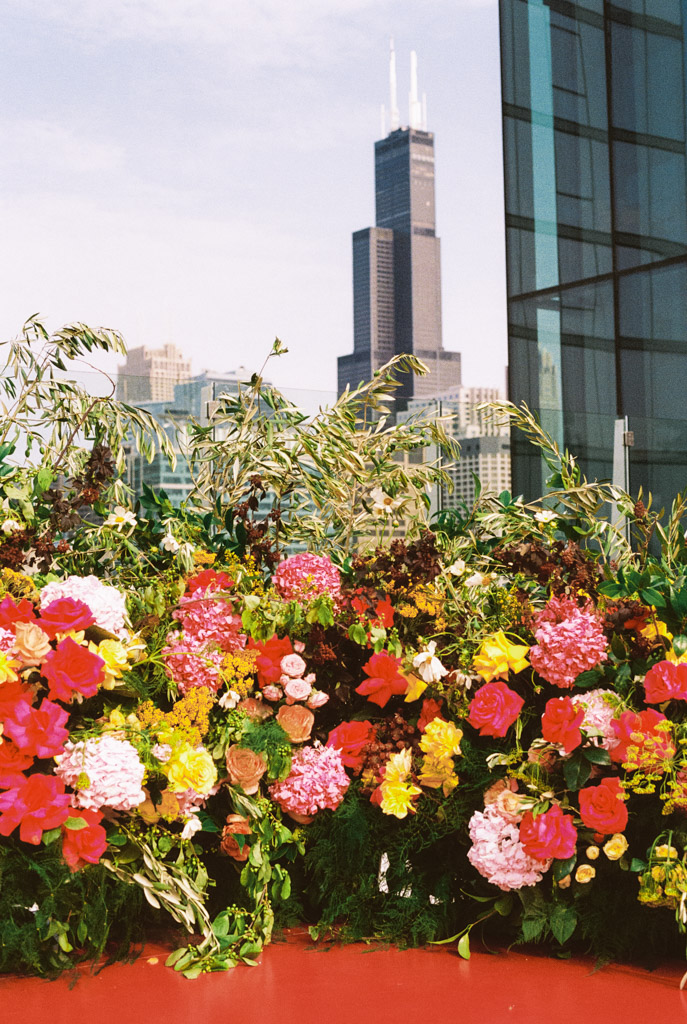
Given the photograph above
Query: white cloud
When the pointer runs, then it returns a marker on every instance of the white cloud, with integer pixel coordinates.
(55, 148)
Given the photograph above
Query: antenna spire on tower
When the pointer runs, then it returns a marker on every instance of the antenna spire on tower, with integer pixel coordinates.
(393, 89)
(415, 107)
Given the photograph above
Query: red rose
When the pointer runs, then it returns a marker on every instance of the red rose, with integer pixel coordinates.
(13, 762)
(81, 846)
(268, 663)
(665, 681)
(37, 731)
(494, 708)
(385, 680)
(72, 667)
(350, 738)
(11, 612)
(602, 807)
(561, 722)
(431, 709)
(10, 693)
(208, 579)
(65, 615)
(37, 804)
(551, 834)
(654, 746)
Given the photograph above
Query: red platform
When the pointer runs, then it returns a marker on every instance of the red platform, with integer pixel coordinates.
(298, 983)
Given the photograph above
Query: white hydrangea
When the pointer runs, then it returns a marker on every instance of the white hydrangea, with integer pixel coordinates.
(104, 771)
(107, 603)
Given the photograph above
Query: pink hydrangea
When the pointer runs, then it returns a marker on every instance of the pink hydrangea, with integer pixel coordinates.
(570, 641)
(600, 707)
(6, 640)
(210, 620)
(104, 771)
(106, 603)
(190, 663)
(498, 854)
(317, 779)
(300, 577)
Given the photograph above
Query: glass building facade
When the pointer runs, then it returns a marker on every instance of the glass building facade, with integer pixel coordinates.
(595, 156)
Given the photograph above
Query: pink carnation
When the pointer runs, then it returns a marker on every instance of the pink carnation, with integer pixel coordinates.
(570, 641)
(105, 771)
(191, 664)
(498, 854)
(599, 711)
(301, 577)
(317, 779)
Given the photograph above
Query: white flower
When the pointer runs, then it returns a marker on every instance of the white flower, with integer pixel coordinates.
(478, 579)
(546, 517)
(170, 543)
(457, 568)
(190, 828)
(383, 504)
(428, 667)
(229, 700)
(11, 526)
(121, 518)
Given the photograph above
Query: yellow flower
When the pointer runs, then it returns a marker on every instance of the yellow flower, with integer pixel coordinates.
(398, 767)
(616, 846)
(665, 852)
(592, 852)
(7, 667)
(438, 773)
(416, 688)
(497, 656)
(191, 769)
(585, 873)
(397, 798)
(116, 659)
(441, 739)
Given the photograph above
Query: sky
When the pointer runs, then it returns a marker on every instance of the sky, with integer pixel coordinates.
(191, 171)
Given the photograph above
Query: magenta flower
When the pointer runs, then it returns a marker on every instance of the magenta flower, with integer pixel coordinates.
(570, 641)
(39, 731)
(317, 779)
(37, 804)
(301, 577)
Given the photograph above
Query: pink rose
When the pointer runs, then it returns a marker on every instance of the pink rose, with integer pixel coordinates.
(292, 665)
(297, 689)
(551, 834)
(272, 692)
(317, 699)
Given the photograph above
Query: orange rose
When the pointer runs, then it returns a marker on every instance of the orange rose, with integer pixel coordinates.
(236, 826)
(31, 644)
(296, 721)
(245, 768)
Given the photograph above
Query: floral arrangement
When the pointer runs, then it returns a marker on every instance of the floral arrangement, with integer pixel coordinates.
(478, 725)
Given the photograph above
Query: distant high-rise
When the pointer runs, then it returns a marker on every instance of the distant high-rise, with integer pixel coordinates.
(151, 374)
(396, 264)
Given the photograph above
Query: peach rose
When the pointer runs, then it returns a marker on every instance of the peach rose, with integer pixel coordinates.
(255, 708)
(296, 721)
(245, 768)
(236, 825)
(31, 644)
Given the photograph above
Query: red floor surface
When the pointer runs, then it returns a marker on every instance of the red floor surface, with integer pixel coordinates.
(297, 983)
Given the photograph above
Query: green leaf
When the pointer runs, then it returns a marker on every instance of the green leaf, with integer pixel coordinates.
(561, 868)
(562, 921)
(82, 931)
(176, 956)
(576, 770)
(652, 596)
(75, 824)
(464, 946)
(44, 477)
(596, 755)
(532, 927)
(50, 836)
(680, 645)
(638, 865)
(358, 634)
(504, 905)
(117, 839)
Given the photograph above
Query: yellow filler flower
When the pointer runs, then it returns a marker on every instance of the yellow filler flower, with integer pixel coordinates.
(498, 656)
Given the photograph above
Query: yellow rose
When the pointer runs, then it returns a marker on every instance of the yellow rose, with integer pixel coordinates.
(191, 769)
(497, 657)
(592, 852)
(585, 873)
(665, 852)
(116, 659)
(616, 846)
(441, 739)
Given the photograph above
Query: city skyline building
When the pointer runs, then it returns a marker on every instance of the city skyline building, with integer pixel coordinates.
(595, 158)
(397, 263)
(151, 374)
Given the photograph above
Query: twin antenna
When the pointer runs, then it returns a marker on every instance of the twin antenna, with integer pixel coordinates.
(417, 111)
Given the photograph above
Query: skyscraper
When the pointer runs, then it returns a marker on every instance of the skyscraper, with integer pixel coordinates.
(396, 264)
(594, 122)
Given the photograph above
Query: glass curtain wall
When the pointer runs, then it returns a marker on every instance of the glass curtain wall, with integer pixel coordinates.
(594, 127)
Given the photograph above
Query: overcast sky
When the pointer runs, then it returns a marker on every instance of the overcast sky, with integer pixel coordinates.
(192, 170)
